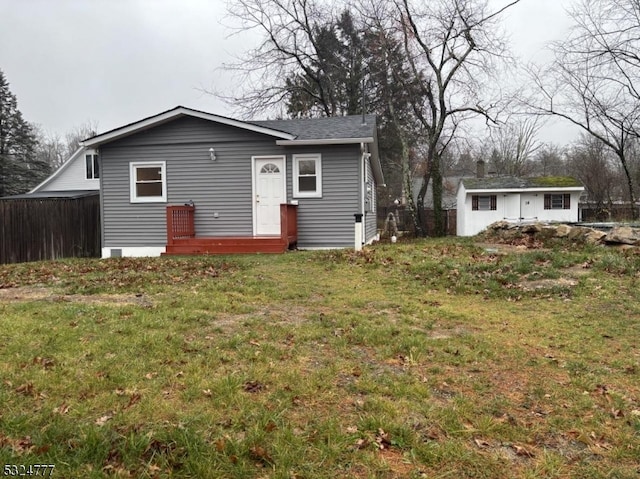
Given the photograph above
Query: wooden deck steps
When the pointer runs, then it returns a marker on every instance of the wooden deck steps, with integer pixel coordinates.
(182, 237)
(227, 245)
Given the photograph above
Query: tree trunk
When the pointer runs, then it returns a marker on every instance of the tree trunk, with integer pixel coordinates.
(421, 195)
(632, 198)
(436, 179)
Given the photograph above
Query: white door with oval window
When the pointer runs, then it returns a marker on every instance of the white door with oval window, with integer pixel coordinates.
(269, 192)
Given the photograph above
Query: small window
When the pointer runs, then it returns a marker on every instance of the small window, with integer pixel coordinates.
(557, 201)
(92, 166)
(484, 202)
(307, 176)
(148, 182)
(269, 168)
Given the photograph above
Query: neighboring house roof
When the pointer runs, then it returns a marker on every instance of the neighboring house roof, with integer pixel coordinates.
(70, 194)
(60, 170)
(511, 183)
(311, 131)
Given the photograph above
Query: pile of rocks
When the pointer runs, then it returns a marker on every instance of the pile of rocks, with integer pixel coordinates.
(505, 232)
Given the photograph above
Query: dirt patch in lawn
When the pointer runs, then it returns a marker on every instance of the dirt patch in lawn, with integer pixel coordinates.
(35, 293)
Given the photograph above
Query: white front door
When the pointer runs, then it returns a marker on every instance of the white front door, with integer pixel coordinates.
(268, 194)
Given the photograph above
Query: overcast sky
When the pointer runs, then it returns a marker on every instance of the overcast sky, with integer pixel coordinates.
(113, 62)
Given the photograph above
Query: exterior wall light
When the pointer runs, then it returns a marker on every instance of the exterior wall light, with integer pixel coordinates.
(212, 153)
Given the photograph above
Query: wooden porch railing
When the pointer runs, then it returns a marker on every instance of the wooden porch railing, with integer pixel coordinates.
(180, 222)
(181, 226)
(289, 224)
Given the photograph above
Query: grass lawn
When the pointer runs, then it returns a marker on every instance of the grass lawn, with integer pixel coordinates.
(435, 359)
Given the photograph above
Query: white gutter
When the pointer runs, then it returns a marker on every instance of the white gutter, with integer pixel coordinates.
(326, 141)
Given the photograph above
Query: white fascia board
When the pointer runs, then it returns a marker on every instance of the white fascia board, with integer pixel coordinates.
(526, 190)
(176, 113)
(326, 141)
(59, 171)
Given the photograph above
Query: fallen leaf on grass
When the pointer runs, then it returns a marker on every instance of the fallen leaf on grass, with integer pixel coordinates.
(102, 420)
(259, 453)
(521, 451)
(362, 443)
(383, 439)
(207, 392)
(44, 362)
(19, 446)
(134, 399)
(220, 444)
(150, 375)
(62, 409)
(253, 386)
(26, 389)
(617, 413)
(481, 443)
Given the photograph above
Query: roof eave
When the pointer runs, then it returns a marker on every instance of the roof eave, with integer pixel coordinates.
(178, 112)
(538, 189)
(59, 171)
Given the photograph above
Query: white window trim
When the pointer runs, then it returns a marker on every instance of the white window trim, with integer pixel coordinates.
(304, 194)
(132, 182)
(91, 175)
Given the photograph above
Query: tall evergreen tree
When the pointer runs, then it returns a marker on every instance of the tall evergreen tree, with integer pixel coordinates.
(20, 169)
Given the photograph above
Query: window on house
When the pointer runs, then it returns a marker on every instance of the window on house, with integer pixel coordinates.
(484, 202)
(92, 167)
(307, 176)
(557, 201)
(148, 182)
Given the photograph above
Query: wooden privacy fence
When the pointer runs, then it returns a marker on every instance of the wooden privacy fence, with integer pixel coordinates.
(49, 228)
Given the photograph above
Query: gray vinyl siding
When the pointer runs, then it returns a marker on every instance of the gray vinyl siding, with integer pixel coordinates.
(222, 186)
(328, 222)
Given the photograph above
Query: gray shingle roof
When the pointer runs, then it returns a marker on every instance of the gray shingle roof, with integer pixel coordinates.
(337, 127)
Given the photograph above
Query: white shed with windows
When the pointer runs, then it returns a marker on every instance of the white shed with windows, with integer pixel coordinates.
(482, 201)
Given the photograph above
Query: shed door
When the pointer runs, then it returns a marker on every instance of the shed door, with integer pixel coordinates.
(268, 193)
(528, 207)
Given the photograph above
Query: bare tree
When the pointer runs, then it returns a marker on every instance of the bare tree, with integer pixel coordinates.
(453, 48)
(295, 60)
(514, 144)
(590, 160)
(74, 137)
(549, 161)
(592, 81)
(51, 149)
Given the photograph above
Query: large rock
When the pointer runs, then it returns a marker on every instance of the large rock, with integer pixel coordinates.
(562, 231)
(623, 235)
(595, 236)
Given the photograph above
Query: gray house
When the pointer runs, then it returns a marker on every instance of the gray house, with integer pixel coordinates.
(185, 181)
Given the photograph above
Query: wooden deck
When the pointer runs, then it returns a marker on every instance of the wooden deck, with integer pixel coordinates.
(183, 240)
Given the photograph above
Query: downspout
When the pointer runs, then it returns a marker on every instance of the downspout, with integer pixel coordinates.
(363, 185)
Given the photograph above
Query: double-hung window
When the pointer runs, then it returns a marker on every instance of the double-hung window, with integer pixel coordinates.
(91, 166)
(307, 176)
(148, 182)
(484, 202)
(557, 201)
